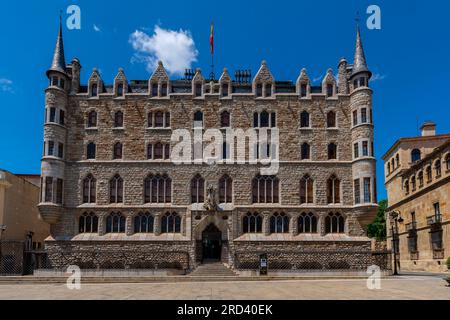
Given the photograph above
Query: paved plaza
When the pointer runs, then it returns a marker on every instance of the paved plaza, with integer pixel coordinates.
(417, 287)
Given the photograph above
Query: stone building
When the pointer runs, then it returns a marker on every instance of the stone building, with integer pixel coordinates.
(22, 232)
(114, 198)
(418, 183)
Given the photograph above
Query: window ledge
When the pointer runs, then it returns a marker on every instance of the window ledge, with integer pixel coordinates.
(91, 128)
(162, 128)
(55, 124)
(118, 129)
(306, 128)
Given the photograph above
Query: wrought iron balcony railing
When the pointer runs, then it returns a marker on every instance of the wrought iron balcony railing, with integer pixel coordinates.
(436, 219)
(411, 226)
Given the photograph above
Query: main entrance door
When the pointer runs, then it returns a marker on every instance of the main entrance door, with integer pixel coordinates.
(212, 243)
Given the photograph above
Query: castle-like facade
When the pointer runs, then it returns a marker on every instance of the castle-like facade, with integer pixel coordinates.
(115, 199)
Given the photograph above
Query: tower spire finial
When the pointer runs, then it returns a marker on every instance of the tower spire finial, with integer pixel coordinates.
(59, 61)
(359, 64)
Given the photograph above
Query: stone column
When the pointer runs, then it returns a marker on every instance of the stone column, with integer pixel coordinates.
(129, 224)
(266, 224)
(157, 226)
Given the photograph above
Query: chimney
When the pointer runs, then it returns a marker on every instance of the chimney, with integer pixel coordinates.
(428, 129)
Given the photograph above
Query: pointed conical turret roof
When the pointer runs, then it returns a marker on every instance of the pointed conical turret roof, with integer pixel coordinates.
(359, 64)
(59, 61)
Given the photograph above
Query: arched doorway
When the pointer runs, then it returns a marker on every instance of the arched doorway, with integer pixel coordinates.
(211, 243)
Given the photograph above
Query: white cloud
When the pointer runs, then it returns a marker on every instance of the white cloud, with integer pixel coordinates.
(6, 85)
(378, 77)
(176, 49)
(97, 29)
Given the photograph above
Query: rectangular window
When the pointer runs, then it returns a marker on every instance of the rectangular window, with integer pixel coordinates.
(62, 84)
(273, 120)
(55, 81)
(357, 192)
(367, 193)
(51, 148)
(363, 115)
(60, 150)
(166, 152)
(329, 90)
(167, 120)
(355, 118)
(437, 209)
(198, 90)
(154, 90)
(59, 191)
(303, 90)
(48, 189)
(52, 115)
(259, 90)
(268, 90)
(356, 150)
(225, 90)
(61, 118)
(365, 149)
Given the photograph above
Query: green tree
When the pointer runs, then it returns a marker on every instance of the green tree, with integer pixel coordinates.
(378, 227)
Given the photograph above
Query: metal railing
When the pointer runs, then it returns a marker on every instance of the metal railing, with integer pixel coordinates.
(411, 226)
(436, 219)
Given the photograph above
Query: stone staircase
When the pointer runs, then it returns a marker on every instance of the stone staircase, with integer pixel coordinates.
(213, 269)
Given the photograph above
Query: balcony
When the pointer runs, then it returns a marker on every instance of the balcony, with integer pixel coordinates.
(411, 226)
(434, 220)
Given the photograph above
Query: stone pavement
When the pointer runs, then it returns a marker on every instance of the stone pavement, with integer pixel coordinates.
(405, 287)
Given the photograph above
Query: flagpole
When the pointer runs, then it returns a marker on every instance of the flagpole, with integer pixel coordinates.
(212, 75)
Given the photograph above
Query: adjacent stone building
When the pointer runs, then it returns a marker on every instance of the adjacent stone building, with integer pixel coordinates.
(115, 199)
(418, 183)
(22, 232)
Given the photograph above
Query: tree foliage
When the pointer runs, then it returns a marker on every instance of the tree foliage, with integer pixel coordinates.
(377, 229)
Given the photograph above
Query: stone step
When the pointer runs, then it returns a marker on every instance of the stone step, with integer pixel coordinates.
(213, 269)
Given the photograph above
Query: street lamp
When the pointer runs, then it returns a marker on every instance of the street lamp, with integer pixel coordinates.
(396, 218)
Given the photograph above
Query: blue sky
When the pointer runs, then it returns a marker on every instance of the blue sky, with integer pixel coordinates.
(410, 55)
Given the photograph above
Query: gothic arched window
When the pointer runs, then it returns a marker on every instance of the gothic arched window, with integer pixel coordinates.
(334, 223)
(116, 189)
(225, 189)
(437, 168)
(252, 223)
(198, 189)
(89, 189)
(117, 151)
(171, 223)
(307, 223)
(306, 190)
(115, 223)
(158, 189)
(333, 190)
(279, 223)
(88, 223)
(265, 189)
(144, 223)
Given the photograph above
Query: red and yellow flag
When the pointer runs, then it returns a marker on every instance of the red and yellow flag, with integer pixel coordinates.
(211, 39)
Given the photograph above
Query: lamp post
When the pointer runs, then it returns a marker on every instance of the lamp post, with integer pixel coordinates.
(396, 218)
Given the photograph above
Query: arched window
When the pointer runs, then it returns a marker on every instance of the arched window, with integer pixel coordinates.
(265, 189)
(225, 189)
(447, 161)
(397, 160)
(413, 183)
(420, 179)
(92, 119)
(117, 152)
(279, 223)
(159, 119)
(198, 189)
(144, 223)
(91, 151)
(331, 119)
(388, 168)
(304, 120)
(94, 89)
(88, 223)
(116, 189)
(429, 174)
(406, 187)
(306, 151)
(415, 155)
(333, 190)
(225, 119)
(334, 223)
(198, 119)
(89, 189)
(171, 223)
(392, 164)
(307, 223)
(252, 223)
(115, 223)
(158, 189)
(306, 190)
(120, 90)
(437, 168)
(332, 151)
(118, 119)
